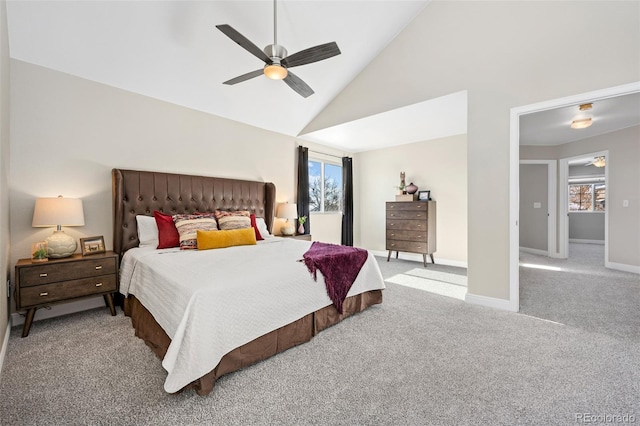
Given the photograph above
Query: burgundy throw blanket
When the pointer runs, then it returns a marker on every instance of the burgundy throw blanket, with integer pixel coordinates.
(339, 265)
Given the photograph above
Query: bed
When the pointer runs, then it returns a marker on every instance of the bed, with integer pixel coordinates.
(207, 313)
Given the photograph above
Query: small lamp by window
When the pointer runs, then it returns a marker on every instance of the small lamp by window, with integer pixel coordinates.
(287, 211)
(58, 212)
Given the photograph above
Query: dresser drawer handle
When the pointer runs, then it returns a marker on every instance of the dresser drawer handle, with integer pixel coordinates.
(99, 285)
(44, 293)
(391, 215)
(391, 207)
(393, 235)
(418, 215)
(419, 225)
(98, 268)
(392, 245)
(43, 275)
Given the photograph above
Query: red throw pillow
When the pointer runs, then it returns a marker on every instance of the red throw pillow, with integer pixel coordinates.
(168, 236)
(255, 227)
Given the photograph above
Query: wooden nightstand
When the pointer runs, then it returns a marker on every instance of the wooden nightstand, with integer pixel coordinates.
(305, 237)
(64, 280)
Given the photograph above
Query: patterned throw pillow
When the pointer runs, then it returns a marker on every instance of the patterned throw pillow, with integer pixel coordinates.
(233, 219)
(188, 226)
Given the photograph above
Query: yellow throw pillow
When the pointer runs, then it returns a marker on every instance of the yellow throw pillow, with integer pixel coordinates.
(221, 239)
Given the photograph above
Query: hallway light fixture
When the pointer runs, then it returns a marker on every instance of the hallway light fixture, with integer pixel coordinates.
(599, 162)
(581, 123)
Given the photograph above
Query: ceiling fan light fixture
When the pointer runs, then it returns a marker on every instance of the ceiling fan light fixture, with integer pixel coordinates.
(275, 72)
(599, 162)
(581, 123)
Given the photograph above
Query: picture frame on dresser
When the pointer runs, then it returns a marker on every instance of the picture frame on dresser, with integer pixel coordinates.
(424, 195)
(92, 245)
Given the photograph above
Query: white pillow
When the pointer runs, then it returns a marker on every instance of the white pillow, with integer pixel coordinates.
(262, 228)
(147, 231)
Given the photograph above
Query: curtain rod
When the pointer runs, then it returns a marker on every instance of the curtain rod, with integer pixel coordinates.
(324, 153)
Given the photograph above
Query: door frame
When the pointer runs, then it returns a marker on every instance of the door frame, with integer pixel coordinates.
(563, 233)
(514, 171)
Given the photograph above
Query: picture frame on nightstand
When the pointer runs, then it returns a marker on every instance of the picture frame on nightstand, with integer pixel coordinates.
(92, 245)
(424, 195)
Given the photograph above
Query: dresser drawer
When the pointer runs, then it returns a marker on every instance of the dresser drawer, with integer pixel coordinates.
(409, 246)
(63, 271)
(408, 225)
(407, 235)
(42, 294)
(414, 206)
(407, 214)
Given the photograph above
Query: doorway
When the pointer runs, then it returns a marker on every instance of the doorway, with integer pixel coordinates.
(514, 171)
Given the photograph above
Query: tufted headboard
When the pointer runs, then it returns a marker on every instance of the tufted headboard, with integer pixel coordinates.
(140, 193)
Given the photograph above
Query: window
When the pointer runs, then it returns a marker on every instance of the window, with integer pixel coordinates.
(587, 197)
(325, 187)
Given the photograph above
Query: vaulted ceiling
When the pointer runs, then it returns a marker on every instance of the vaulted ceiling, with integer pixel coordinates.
(172, 51)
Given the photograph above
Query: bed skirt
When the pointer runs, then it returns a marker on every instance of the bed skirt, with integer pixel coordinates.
(293, 334)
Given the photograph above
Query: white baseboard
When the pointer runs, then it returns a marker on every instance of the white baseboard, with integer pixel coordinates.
(62, 309)
(492, 302)
(575, 240)
(534, 251)
(418, 258)
(5, 344)
(622, 267)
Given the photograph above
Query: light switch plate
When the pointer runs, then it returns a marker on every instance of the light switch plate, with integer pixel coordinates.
(537, 205)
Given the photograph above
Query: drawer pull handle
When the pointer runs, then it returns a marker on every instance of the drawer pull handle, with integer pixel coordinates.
(392, 245)
(43, 275)
(44, 293)
(99, 285)
(419, 225)
(98, 268)
(393, 235)
(418, 215)
(391, 215)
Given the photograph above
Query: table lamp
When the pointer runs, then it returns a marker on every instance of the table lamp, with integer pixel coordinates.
(287, 211)
(58, 212)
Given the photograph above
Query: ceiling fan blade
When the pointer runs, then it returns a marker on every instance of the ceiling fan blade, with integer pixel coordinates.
(312, 54)
(245, 77)
(244, 42)
(298, 85)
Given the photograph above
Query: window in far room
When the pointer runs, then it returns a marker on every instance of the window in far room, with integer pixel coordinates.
(587, 197)
(325, 186)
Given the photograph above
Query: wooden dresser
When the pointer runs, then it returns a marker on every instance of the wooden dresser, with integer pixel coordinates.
(411, 227)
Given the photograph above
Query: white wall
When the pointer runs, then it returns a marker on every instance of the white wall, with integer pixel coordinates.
(5, 266)
(506, 55)
(438, 165)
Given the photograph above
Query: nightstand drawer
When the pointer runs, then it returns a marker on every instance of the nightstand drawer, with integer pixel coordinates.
(42, 294)
(407, 235)
(63, 271)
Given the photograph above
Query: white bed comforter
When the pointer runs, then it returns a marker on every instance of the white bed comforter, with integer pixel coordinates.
(210, 302)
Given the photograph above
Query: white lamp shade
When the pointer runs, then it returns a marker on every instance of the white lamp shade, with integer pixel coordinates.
(287, 211)
(57, 212)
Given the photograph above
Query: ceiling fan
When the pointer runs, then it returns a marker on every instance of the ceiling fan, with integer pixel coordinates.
(597, 161)
(277, 63)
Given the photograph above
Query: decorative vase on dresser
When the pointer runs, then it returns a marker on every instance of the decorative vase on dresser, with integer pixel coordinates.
(411, 228)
